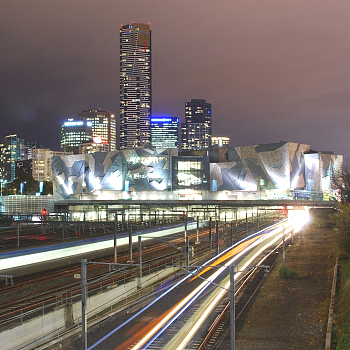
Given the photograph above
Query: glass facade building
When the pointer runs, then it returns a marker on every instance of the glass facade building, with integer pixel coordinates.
(135, 85)
(93, 147)
(196, 132)
(190, 173)
(12, 149)
(24, 167)
(104, 127)
(73, 133)
(165, 132)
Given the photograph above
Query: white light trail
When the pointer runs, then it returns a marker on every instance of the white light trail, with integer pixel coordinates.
(187, 301)
(34, 257)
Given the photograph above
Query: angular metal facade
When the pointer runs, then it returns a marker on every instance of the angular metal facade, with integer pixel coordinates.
(124, 170)
(278, 166)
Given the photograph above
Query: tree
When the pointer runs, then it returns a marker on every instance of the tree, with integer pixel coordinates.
(341, 181)
(30, 186)
(341, 220)
(48, 187)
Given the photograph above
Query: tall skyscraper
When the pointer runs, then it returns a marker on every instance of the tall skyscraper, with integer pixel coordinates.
(12, 149)
(165, 132)
(104, 127)
(135, 85)
(73, 133)
(196, 131)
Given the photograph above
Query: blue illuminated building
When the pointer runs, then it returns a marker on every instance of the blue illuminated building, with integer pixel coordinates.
(165, 132)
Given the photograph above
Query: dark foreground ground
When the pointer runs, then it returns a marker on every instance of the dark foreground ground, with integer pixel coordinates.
(292, 313)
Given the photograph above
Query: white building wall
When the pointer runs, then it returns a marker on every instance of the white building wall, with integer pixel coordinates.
(42, 169)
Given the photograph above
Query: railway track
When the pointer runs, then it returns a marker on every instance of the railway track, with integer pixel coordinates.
(19, 309)
(61, 293)
(50, 232)
(219, 332)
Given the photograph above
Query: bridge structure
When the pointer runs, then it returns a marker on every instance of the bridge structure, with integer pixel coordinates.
(158, 209)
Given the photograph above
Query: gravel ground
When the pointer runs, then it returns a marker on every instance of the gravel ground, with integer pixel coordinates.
(292, 313)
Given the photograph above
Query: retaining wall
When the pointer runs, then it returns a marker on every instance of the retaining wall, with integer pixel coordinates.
(30, 334)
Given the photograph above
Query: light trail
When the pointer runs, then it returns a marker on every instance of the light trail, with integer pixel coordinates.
(226, 256)
(294, 224)
(166, 319)
(175, 312)
(220, 294)
(36, 256)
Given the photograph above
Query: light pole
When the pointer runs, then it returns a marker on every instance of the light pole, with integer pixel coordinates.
(232, 308)
(231, 291)
(130, 245)
(197, 241)
(115, 238)
(84, 286)
(84, 291)
(284, 249)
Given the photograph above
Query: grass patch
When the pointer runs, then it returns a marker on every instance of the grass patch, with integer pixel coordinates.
(287, 272)
(343, 307)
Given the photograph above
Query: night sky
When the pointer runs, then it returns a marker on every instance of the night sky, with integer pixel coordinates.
(272, 70)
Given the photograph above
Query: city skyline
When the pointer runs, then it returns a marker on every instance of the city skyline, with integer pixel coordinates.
(272, 71)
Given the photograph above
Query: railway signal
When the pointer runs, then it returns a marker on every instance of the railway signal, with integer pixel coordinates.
(43, 215)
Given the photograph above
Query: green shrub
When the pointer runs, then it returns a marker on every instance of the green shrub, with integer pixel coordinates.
(287, 272)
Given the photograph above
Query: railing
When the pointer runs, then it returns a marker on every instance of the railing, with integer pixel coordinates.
(73, 296)
(102, 312)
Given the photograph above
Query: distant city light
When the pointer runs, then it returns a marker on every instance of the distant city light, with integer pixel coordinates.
(162, 120)
(73, 123)
(97, 139)
(77, 123)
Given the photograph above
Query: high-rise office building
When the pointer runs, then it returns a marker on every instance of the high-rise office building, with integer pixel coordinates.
(93, 147)
(165, 132)
(41, 163)
(104, 126)
(220, 141)
(24, 167)
(196, 131)
(12, 149)
(73, 133)
(28, 149)
(135, 85)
